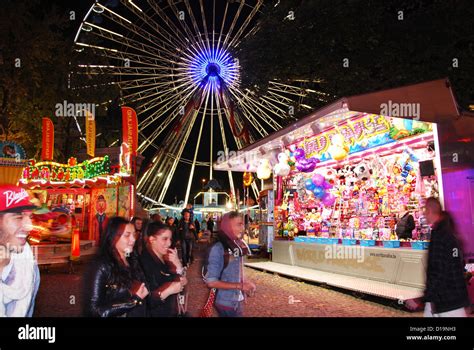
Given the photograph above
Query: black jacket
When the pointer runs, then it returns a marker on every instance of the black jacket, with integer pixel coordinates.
(105, 296)
(181, 234)
(157, 274)
(405, 226)
(446, 287)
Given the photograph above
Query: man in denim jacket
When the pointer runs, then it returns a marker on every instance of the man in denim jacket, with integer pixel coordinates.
(225, 267)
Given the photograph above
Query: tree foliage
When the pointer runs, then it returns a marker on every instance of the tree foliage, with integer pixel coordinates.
(36, 61)
(383, 50)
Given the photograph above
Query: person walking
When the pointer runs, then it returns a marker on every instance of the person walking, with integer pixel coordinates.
(225, 272)
(187, 236)
(115, 284)
(138, 224)
(174, 231)
(156, 218)
(446, 292)
(163, 270)
(210, 225)
(197, 225)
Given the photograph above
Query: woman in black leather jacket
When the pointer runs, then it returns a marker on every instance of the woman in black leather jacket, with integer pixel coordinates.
(163, 271)
(115, 285)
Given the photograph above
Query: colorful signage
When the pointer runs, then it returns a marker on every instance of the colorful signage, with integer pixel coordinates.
(90, 134)
(130, 129)
(57, 172)
(362, 133)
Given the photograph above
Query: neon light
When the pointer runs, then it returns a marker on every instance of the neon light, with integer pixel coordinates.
(58, 173)
(209, 66)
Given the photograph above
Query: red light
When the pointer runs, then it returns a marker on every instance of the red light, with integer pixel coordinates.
(75, 244)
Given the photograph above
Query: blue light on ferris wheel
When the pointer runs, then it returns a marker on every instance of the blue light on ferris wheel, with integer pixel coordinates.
(209, 66)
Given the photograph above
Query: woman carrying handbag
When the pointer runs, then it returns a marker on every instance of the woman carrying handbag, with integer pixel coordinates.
(224, 275)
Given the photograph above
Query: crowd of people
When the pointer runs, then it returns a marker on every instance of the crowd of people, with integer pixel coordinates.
(141, 268)
(139, 271)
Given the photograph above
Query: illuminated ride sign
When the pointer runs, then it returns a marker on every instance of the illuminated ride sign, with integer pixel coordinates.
(73, 171)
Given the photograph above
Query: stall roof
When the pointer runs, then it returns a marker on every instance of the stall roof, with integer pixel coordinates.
(435, 100)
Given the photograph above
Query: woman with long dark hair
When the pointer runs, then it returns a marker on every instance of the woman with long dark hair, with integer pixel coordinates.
(163, 270)
(116, 284)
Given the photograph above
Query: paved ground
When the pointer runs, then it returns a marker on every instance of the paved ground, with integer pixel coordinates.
(60, 295)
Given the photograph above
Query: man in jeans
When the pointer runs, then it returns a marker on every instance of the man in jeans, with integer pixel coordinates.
(446, 291)
(225, 267)
(187, 235)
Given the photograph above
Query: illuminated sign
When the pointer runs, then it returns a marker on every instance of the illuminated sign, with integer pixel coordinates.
(362, 133)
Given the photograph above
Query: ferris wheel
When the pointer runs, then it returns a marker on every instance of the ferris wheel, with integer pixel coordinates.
(176, 62)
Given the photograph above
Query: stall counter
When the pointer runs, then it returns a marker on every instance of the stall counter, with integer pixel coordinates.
(400, 266)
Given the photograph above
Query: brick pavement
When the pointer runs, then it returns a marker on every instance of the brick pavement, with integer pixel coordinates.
(60, 295)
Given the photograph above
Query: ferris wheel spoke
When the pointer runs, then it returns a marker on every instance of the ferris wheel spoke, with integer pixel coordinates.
(149, 140)
(262, 108)
(234, 21)
(213, 23)
(262, 132)
(172, 38)
(196, 37)
(118, 70)
(277, 89)
(157, 41)
(129, 57)
(173, 29)
(176, 104)
(142, 83)
(198, 143)
(224, 17)
(245, 24)
(253, 104)
(287, 89)
(123, 40)
(176, 161)
(120, 56)
(152, 92)
(162, 164)
(171, 145)
(271, 104)
(278, 98)
(224, 143)
(204, 24)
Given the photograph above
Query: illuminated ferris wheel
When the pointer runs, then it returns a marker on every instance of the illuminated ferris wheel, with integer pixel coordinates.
(176, 62)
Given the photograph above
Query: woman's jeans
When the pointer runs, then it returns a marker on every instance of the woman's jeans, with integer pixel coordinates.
(187, 250)
(225, 311)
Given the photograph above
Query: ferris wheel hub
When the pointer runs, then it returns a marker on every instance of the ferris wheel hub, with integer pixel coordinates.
(213, 69)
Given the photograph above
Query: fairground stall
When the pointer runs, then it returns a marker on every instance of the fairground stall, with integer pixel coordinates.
(86, 190)
(344, 175)
(76, 200)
